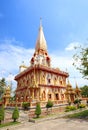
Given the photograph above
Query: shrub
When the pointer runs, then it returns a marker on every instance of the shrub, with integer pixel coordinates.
(70, 108)
(49, 104)
(15, 114)
(38, 110)
(82, 106)
(2, 114)
(77, 101)
(25, 105)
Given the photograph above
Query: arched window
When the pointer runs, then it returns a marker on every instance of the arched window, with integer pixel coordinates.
(48, 79)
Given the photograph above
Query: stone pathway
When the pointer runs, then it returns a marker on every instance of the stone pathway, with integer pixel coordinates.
(23, 117)
(57, 123)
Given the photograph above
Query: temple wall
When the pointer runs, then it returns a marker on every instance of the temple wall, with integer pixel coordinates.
(51, 78)
(44, 111)
(29, 82)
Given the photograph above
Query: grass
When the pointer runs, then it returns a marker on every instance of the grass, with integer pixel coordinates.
(46, 116)
(82, 115)
(40, 117)
(8, 124)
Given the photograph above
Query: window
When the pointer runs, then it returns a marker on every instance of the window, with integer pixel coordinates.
(49, 78)
(49, 96)
(57, 97)
(60, 82)
(49, 81)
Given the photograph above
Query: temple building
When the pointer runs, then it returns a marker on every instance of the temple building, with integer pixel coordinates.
(39, 82)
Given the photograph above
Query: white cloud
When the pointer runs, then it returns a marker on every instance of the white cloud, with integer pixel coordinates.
(61, 61)
(12, 55)
(64, 63)
(10, 77)
(72, 46)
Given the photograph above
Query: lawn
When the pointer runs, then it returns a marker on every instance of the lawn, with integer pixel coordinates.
(8, 124)
(83, 115)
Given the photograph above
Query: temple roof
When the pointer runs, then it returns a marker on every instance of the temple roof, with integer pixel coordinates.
(41, 42)
(68, 84)
(44, 68)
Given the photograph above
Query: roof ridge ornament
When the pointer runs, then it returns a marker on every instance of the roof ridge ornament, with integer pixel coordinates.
(76, 83)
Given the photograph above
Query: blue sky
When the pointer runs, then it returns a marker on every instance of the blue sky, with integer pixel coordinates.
(65, 24)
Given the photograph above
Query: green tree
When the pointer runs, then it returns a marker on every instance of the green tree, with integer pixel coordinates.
(15, 114)
(77, 102)
(81, 61)
(25, 105)
(2, 86)
(84, 91)
(13, 98)
(2, 114)
(49, 104)
(38, 110)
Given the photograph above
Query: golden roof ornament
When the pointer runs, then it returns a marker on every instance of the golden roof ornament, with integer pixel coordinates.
(77, 89)
(22, 67)
(68, 84)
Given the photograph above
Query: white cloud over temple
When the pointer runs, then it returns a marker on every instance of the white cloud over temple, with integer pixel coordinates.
(11, 57)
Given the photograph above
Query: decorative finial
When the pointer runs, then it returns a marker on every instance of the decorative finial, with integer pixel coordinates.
(66, 70)
(40, 21)
(22, 62)
(75, 80)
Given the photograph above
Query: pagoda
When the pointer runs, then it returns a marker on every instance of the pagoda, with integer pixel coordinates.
(70, 93)
(39, 82)
(7, 96)
(78, 92)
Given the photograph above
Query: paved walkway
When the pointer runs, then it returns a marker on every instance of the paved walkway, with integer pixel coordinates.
(56, 124)
(50, 124)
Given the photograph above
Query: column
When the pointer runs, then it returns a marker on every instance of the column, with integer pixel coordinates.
(33, 94)
(40, 94)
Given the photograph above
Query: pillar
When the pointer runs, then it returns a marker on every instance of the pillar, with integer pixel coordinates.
(33, 94)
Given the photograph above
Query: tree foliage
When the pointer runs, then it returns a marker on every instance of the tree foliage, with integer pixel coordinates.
(49, 104)
(26, 105)
(84, 91)
(15, 114)
(2, 114)
(77, 101)
(38, 110)
(81, 61)
(2, 86)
